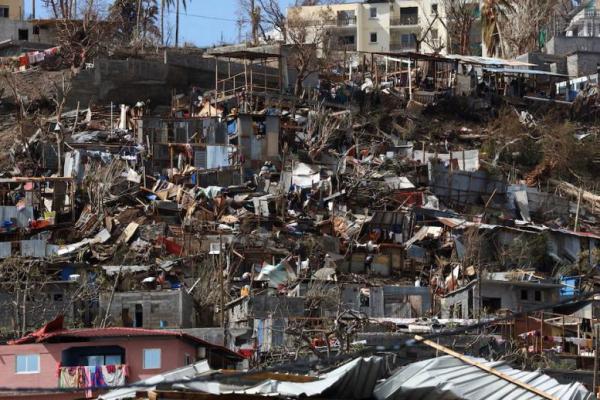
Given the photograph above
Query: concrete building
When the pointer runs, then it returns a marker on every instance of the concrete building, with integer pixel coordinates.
(586, 22)
(498, 292)
(121, 354)
(388, 26)
(150, 309)
(28, 31)
(259, 322)
(11, 9)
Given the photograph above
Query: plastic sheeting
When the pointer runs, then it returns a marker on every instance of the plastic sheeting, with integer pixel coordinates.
(278, 274)
(450, 378)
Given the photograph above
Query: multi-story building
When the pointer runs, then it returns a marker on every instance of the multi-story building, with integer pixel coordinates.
(586, 20)
(389, 25)
(11, 9)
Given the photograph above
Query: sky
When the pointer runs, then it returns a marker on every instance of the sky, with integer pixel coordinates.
(206, 22)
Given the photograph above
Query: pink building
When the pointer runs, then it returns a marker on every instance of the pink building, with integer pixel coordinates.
(55, 357)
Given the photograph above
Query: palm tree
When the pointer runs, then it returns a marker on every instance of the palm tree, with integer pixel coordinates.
(164, 5)
(184, 3)
(493, 14)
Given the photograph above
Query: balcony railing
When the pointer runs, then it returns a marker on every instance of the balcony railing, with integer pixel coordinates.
(346, 21)
(92, 376)
(405, 20)
(402, 46)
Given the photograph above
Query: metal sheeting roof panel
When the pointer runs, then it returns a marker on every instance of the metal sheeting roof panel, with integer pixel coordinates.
(450, 378)
(353, 380)
(189, 371)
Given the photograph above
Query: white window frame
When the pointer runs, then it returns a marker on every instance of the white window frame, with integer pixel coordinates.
(371, 37)
(371, 16)
(159, 358)
(27, 357)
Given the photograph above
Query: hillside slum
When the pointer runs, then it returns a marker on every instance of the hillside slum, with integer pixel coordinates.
(299, 228)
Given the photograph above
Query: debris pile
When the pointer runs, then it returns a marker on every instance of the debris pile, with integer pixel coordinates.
(303, 228)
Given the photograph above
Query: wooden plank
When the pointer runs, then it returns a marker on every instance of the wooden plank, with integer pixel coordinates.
(263, 376)
(484, 367)
(186, 395)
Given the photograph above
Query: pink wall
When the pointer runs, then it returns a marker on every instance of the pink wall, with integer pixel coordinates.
(173, 353)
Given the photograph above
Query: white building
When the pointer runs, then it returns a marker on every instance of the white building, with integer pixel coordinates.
(389, 25)
(586, 22)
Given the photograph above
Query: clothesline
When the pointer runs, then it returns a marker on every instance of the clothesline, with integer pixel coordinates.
(558, 339)
(92, 377)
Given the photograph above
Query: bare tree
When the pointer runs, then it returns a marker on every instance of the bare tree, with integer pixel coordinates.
(25, 287)
(274, 16)
(309, 39)
(526, 21)
(425, 35)
(460, 17)
(82, 40)
(250, 14)
(59, 99)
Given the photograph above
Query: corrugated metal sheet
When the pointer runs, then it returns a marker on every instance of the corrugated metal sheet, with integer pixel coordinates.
(188, 371)
(450, 378)
(464, 187)
(22, 216)
(5, 249)
(200, 159)
(354, 380)
(272, 124)
(217, 156)
(33, 248)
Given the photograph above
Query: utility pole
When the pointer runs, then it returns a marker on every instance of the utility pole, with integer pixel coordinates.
(177, 23)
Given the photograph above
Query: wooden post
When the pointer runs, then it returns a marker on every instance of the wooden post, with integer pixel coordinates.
(526, 330)
(246, 76)
(542, 333)
(410, 96)
(265, 73)
(486, 368)
(216, 80)
(221, 294)
(229, 75)
(279, 74)
(563, 333)
(595, 383)
(577, 212)
(578, 333)
(251, 76)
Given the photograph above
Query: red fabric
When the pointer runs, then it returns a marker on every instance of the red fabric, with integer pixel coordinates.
(170, 246)
(39, 224)
(246, 353)
(23, 60)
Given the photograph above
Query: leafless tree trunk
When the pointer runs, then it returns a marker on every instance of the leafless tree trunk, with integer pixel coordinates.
(460, 17)
(308, 37)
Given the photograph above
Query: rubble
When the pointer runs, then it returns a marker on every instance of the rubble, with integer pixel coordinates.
(401, 202)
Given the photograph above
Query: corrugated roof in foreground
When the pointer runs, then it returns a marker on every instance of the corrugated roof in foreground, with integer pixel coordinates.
(450, 378)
